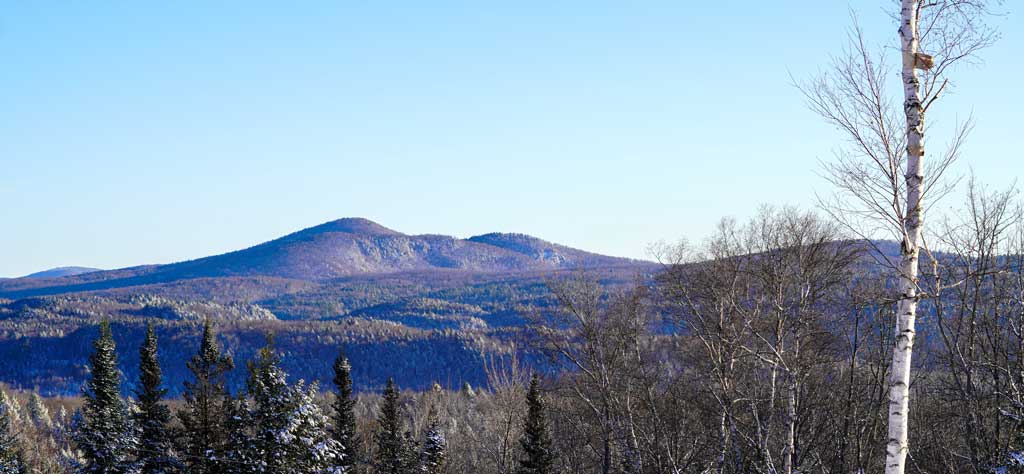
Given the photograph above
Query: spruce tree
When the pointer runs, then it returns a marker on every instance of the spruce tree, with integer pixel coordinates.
(153, 416)
(343, 416)
(105, 434)
(238, 445)
(434, 446)
(538, 456)
(290, 430)
(10, 449)
(392, 452)
(203, 440)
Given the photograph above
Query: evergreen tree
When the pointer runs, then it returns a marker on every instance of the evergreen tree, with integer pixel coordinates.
(237, 423)
(10, 450)
(392, 452)
(268, 390)
(203, 440)
(538, 456)
(105, 433)
(290, 430)
(153, 416)
(312, 449)
(434, 446)
(343, 416)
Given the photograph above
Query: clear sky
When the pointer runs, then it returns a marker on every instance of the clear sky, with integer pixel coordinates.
(150, 132)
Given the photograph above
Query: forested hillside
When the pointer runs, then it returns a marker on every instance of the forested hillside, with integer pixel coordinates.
(425, 308)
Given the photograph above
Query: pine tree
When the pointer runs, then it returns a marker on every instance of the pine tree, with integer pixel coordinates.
(290, 429)
(343, 416)
(392, 452)
(538, 456)
(153, 417)
(105, 433)
(434, 446)
(203, 439)
(10, 449)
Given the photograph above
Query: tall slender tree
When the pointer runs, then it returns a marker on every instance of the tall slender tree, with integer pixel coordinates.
(433, 459)
(155, 454)
(881, 175)
(392, 452)
(105, 433)
(203, 440)
(538, 455)
(343, 416)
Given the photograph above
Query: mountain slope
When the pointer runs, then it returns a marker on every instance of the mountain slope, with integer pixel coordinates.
(61, 272)
(336, 249)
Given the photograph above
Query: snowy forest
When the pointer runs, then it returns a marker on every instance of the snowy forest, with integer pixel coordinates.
(766, 348)
(871, 334)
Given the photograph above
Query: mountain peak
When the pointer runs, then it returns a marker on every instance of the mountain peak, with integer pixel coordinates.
(351, 225)
(62, 271)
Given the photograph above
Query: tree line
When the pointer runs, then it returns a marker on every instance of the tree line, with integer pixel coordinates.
(273, 426)
(764, 349)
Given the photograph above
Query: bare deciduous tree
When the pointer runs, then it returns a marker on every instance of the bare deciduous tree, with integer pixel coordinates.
(882, 176)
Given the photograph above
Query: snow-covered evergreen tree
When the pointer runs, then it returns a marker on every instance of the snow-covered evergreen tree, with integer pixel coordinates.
(343, 416)
(538, 456)
(202, 438)
(392, 452)
(238, 446)
(10, 448)
(311, 447)
(105, 433)
(290, 430)
(153, 417)
(433, 457)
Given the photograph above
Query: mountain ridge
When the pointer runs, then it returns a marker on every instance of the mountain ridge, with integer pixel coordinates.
(339, 248)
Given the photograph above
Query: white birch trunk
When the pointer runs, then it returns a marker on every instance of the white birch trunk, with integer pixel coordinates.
(790, 449)
(906, 308)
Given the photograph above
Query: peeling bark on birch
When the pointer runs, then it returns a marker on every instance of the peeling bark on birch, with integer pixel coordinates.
(906, 308)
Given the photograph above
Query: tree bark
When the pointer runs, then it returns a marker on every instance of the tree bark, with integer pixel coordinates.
(790, 449)
(906, 308)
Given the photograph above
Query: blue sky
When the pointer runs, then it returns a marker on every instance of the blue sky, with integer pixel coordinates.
(150, 132)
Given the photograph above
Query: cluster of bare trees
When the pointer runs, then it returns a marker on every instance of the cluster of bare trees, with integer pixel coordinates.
(768, 349)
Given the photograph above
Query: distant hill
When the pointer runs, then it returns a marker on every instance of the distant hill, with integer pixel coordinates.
(337, 249)
(61, 272)
(433, 306)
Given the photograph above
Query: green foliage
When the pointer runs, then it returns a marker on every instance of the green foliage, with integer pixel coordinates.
(538, 454)
(155, 455)
(392, 455)
(105, 433)
(203, 439)
(343, 415)
(433, 459)
(289, 429)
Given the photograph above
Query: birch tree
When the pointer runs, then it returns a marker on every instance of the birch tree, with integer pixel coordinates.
(883, 178)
